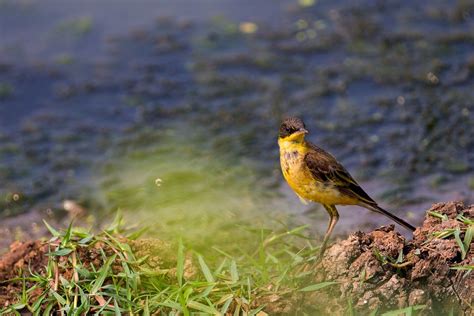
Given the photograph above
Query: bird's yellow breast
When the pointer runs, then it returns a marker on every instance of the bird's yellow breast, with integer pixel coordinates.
(300, 178)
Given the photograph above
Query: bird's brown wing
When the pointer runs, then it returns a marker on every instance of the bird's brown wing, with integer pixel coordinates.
(326, 169)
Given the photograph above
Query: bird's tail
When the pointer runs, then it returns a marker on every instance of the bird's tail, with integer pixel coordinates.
(398, 220)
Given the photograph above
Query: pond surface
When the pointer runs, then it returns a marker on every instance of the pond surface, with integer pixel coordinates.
(169, 110)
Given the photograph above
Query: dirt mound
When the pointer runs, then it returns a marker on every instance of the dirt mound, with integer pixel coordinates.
(382, 270)
(21, 257)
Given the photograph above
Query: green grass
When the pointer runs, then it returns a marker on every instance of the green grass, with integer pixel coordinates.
(122, 280)
(463, 243)
(122, 283)
(135, 276)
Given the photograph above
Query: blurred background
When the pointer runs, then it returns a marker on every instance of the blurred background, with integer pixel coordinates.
(169, 110)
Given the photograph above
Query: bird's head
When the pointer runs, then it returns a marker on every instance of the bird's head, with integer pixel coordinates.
(292, 129)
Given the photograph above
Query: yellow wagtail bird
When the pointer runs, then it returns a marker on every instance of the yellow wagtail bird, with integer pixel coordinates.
(316, 175)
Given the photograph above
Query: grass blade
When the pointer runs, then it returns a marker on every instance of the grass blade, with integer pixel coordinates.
(202, 308)
(146, 308)
(317, 286)
(442, 217)
(205, 270)
(468, 237)
(180, 263)
(457, 236)
(226, 305)
(103, 272)
(60, 252)
(67, 235)
(53, 231)
(467, 268)
(233, 272)
(117, 309)
(58, 298)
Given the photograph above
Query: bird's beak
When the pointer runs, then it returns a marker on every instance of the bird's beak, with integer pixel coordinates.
(299, 135)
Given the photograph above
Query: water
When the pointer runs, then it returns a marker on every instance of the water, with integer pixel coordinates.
(97, 101)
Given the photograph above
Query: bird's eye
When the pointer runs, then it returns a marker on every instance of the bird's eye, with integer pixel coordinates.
(288, 129)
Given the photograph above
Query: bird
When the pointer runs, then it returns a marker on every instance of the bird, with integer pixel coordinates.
(315, 175)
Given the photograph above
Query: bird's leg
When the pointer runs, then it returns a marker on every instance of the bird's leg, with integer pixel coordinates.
(334, 217)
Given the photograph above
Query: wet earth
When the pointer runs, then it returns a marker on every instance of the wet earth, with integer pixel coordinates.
(88, 90)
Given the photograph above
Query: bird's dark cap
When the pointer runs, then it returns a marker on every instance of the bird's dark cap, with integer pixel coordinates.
(291, 125)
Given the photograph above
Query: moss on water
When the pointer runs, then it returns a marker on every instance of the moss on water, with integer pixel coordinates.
(6, 90)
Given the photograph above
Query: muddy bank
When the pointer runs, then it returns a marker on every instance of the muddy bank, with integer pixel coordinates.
(382, 270)
(367, 272)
